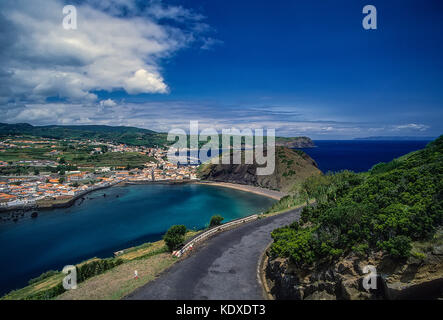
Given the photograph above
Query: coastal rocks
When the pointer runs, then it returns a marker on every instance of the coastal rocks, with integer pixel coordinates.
(437, 250)
(13, 215)
(343, 280)
(417, 278)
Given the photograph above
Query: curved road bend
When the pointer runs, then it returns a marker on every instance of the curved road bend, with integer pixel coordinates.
(224, 267)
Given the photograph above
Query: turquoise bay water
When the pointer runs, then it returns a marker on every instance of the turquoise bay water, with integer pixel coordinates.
(99, 226)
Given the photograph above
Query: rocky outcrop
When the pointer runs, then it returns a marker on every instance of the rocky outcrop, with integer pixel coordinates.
(291, 167)
(416, 278)
(294, 142)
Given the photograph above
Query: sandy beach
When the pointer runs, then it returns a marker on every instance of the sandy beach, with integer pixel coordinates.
(277, 195)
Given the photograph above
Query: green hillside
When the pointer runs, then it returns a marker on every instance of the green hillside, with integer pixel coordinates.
(292, 167)
(127, 135)
(119, 134)
(387, 208)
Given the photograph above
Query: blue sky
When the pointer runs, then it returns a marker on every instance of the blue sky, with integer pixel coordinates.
(302, 67)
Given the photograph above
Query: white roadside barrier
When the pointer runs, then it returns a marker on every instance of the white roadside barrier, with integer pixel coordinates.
(188, 246)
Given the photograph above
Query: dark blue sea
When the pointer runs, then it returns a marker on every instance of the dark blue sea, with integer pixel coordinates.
(358, 155)
(97, 227)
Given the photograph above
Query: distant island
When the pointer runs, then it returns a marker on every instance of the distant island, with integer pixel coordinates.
(398, 138)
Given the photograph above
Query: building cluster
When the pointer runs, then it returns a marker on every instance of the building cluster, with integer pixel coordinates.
(28, 191)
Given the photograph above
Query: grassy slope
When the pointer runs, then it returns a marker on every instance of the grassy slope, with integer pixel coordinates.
(76, 155)
(291, 169)
(127, 135)
(148, 259)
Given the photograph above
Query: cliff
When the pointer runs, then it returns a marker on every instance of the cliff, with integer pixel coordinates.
(294, 142)
(291, 167)
(389, 217)
(418, 277)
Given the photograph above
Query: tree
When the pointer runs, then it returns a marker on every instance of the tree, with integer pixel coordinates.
(174, 237)
(216, 221)
(36, 172)
(61, 180)
(62, 160)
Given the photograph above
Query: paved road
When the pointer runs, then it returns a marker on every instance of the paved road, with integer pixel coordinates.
(225, 267)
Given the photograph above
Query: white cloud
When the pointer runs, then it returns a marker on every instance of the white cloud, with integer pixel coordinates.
(161, 11)
(412, 126)
(209, 43)
(115, 46)
(144, 80)
(108, 103)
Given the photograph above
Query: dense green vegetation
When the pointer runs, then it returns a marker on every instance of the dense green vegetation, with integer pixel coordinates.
(110, 159)
(174, 237)
(386, 208)
(95, 267)
(215, 221)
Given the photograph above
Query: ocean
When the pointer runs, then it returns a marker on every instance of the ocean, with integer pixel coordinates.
(358, 155)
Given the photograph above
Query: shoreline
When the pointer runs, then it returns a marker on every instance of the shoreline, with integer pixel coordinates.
(246, 188)
(276, 195)
(64, 203)
(56, 204)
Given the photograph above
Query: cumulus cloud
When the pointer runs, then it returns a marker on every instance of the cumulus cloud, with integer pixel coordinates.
(108, 103)
(144, 80)
(117, 45)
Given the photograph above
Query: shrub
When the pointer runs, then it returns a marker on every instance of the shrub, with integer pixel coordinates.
(47, 294)
(294, 243)
(418, 255)
(96, 267)
(174, 237)
(215, 221)
(398, 247)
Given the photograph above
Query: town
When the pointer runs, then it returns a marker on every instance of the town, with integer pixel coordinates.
(41, 172)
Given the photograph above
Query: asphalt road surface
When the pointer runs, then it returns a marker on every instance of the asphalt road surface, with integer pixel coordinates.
(224, 267)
